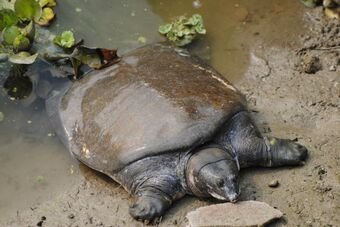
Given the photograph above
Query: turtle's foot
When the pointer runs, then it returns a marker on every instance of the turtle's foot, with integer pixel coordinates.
(282, 152)
(149, 209)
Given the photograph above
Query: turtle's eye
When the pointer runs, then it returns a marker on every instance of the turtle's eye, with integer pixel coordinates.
(220, 183)
(232, 179)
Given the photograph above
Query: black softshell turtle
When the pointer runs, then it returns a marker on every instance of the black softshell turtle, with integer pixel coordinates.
(163, 124)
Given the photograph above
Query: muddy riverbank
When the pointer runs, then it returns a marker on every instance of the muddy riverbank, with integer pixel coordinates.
(286, 100)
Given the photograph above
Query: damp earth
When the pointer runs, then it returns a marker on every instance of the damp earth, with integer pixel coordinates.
(263, 47)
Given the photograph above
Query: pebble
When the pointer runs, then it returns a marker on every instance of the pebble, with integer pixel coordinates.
(311, 64)
(71, 216)
(332, 68)
(274, 184)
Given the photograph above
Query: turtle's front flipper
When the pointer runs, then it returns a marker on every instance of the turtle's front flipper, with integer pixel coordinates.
(154, 183)
(242, 136)
(150, 205)
(282, 152)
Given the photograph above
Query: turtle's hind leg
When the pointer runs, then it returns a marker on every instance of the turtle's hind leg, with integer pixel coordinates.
(254, 150)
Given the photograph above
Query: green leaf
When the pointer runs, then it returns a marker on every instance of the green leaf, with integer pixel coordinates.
(21, 43)
(46, 17)
(196, 19)
(310, 3)
(48, 3)
(29, 31)
(28, 9)
(23, 58)
(96, 58)
(65, 40)
(163, 29)
(7, 18)
(9, 34)
(200, 29)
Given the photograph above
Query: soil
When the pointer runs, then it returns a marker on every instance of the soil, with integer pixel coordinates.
(287, 102)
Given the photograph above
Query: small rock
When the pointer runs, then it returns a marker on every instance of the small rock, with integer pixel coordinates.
(259, 67)
(310, 64)
(246, 213)
(332, 68)
(71, 216)
(274, 184)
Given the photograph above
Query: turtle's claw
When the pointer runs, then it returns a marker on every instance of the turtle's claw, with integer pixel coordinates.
(147, 209)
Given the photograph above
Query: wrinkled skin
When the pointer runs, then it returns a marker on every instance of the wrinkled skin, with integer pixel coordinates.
(221, 180)
(209, 171)
(163, 124)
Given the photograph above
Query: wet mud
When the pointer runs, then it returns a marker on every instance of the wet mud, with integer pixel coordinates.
(286, 101)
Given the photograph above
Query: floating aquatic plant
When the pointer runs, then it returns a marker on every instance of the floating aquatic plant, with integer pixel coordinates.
(18, 28)
(183, 30)
(65, 39)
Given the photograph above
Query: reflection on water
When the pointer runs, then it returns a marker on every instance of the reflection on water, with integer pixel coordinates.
(110, 24)
(33, 164)
(232, 24)
(16, 84)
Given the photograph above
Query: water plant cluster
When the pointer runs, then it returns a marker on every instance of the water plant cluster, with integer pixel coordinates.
(183, 30)
(18, 27)
(23, 22)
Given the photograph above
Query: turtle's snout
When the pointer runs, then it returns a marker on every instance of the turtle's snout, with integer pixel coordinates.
(232, 193)
(233, 197)
(227, 193)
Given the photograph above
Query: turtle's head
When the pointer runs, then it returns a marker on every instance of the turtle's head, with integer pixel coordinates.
(213, 172)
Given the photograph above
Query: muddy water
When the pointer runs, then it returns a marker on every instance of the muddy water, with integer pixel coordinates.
(33, 164)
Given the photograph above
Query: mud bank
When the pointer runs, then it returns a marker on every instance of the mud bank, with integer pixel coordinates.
(286, 102)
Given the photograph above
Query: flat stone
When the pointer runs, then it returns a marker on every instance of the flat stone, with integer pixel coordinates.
(245, 214)
(260, 67)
